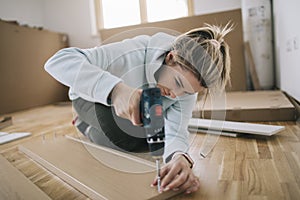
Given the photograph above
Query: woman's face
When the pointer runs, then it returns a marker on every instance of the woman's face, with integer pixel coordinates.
(175, 81)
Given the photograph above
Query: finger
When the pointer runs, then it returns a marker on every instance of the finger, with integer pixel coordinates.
(163, 171)
(135, 117)
(162, 91)
(169, 176)
(178, 181)
(192, 189)
(172, 95)
(154, 183)
(165, 92)
(186, 184)
(192, 185)
(121, 113)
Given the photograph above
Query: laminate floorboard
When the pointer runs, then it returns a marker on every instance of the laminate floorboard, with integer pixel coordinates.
(250, 167)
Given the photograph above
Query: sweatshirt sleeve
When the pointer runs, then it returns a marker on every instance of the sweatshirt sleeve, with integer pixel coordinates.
(83, 70)
(176, 125)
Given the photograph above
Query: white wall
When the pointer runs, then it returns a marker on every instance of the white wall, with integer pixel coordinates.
(67, 16)
(257, 23)
(24, 11)
(72, 17)
(210, 6)
(287, 46)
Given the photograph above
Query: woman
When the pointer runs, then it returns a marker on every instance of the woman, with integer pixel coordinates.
(106, 84)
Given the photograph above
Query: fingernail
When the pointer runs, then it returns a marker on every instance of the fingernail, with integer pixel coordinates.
(188, 192)
(175, 189)
(166, 189)
(151, 185)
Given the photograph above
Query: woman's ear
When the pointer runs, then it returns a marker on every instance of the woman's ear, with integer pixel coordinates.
(170, 59)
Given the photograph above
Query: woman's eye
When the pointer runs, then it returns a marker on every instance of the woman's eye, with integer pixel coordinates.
(177, 82)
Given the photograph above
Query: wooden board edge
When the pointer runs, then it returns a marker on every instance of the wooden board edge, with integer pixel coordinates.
(61, 174)
(27, 189)
(115, 152)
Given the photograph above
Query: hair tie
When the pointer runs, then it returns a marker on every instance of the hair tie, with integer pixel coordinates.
(215, 43)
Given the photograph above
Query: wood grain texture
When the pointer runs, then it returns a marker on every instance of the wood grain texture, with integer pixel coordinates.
(237, 168)
(39, 121)
(14, 185)
(98, 178)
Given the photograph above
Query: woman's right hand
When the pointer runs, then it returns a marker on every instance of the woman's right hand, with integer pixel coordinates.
(126, 102)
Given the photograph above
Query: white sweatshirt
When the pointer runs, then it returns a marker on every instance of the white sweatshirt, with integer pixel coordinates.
(92, 74)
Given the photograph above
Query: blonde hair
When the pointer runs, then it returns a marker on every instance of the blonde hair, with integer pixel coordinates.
(204, 52)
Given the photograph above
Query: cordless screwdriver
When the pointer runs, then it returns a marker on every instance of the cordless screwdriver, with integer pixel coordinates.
(153, 122)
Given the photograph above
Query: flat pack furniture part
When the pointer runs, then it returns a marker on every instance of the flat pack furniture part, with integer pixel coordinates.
(8, 137)
(248, 106)
(76, 164)
(14, 185)
(114, 158)
(215, 132)
(235, 127)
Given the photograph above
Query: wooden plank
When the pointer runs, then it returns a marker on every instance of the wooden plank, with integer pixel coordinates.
(14, 185)
(113, 157)
(236, 127)
(50, 184)
(75, 163)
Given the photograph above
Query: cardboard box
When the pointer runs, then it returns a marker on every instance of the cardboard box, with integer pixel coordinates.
(234, 39)
(23, 81)
(250, 106)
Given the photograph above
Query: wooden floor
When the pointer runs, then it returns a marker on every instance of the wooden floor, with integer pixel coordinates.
(236, 168)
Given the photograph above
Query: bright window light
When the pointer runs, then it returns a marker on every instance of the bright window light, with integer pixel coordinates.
(118, 13)
(158, 10)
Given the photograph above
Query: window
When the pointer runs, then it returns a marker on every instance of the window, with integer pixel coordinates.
(120, 13)
(117, 13)
(158, 10)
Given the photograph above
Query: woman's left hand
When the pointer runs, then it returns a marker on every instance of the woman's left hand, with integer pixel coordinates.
(177, 175)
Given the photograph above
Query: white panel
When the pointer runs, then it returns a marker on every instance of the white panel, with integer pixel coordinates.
(8, 137)
(287, 42)
(235, 127)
